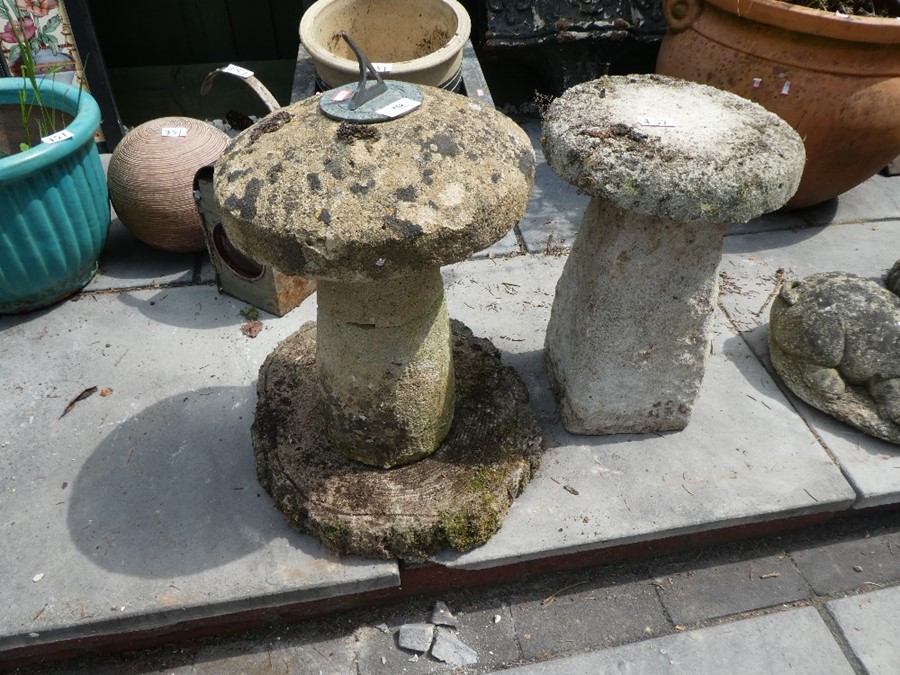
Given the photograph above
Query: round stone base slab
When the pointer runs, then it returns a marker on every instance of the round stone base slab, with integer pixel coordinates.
(455, 498)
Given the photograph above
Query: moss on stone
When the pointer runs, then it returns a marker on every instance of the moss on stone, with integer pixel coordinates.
(457, 497)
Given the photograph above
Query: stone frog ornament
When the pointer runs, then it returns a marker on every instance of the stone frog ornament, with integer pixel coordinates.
(835, 341)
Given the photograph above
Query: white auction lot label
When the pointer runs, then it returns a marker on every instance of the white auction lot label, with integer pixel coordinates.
(63, 135)
(398, 107)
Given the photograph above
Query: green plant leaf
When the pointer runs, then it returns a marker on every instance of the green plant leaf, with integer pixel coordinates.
(52, 42)
(23, 147)
(52, 24)
(14, 53)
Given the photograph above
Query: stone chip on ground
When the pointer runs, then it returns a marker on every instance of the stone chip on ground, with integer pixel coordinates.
(451, 650)
(416, 637)
(442, 616)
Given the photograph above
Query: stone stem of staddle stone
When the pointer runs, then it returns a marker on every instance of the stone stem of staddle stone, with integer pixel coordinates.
(635, 301)
(385, 369)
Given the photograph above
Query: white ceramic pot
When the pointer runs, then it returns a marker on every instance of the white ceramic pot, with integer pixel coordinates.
(417, 41)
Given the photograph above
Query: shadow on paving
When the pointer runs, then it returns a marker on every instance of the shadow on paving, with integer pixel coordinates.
(172, 491)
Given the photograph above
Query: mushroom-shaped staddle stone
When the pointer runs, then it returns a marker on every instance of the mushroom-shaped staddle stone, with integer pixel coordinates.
(668, 163)
(372, 211)
(673, 149)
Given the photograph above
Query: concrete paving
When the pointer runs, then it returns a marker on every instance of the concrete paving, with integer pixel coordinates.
(138, 510)
(797, 641)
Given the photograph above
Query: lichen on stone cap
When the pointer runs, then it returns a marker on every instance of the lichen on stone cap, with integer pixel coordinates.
(327, 199)
(724, 159)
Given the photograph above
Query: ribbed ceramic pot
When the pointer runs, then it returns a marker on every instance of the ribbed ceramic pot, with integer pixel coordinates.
(54, 206)
(835, 79)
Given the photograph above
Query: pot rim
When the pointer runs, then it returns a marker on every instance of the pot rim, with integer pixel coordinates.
(445, 53)
(814, 22)
(64, 97)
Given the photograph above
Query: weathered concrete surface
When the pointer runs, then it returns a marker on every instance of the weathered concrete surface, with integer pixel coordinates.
(627, 341)
(869, 623)
(309, 196)
(745, 457)
(796, 641)
(723, 159)
(834, 339)
(669, 163)
(139, 509)
(456, 497)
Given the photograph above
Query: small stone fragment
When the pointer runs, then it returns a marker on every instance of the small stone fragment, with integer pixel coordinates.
(37, 577)
(416, 637)
(383, 627)
(451, 650)
(497, 618)
(857, 568)
(442, 616)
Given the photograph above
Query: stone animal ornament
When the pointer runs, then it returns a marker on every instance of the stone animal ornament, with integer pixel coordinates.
(835, 341)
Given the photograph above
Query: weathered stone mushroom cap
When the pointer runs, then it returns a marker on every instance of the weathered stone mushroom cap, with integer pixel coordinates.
(325, 199)
(726, 159)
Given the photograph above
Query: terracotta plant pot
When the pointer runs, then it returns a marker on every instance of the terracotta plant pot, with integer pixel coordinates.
(417, 41)
(835, 79)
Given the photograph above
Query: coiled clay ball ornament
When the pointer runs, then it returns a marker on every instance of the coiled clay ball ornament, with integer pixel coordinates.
(151, 180)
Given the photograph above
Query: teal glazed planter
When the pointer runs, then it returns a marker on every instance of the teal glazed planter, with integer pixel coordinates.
(54, 206)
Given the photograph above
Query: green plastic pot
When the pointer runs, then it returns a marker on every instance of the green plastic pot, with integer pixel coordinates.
(54, 205)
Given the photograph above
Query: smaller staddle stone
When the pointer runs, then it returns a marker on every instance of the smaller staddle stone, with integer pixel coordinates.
(835, 341)
(668, 163)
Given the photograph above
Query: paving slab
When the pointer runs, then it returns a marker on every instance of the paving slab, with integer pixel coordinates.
(848, 565)
(875, 199)
(334, 657)
(139, 508)
(744, 458)
(555, 208)
(127, 262)
(568, 619)
(748, 281)
(720, 590)
(869, 623)
(795, 641)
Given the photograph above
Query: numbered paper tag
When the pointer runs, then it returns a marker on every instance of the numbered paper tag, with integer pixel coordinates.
(174, 132)
(383, 67)
(342, 95)
(232, 69)
(398, 107)
(63, 135)
(655, 122)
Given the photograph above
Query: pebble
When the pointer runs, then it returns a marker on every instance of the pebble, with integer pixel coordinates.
(442, 616)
